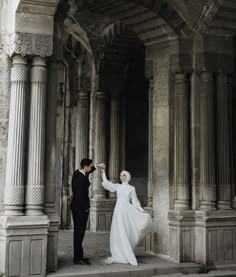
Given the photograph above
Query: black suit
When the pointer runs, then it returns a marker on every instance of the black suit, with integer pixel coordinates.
(80, 205)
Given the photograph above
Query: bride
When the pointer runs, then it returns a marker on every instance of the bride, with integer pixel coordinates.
(130, 223)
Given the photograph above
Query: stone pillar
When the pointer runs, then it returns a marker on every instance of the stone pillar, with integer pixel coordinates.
(223, 145)
(101, 208)
(14, 187)
(50, 167)
(100, 143)
(181, 147)
(35, 174)
(114, 152)
(207, 143)
(150, 145)
(82, 128)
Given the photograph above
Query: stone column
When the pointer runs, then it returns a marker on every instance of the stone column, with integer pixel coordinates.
(182, 149)
(223, 146)
(114, 152)
(50, 151)
(82, 128)
(101, 208)
(150, 145)
(50, 167)
(35, 174)
(14, 187)
(100, 143)
(207, 143)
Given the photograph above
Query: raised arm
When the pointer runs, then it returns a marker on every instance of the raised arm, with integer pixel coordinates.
(107, 184)
(135, 201)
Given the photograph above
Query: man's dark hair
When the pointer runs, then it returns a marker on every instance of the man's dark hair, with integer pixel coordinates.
(85, 162)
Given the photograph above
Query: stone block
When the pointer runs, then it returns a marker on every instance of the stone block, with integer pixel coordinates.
(215, 233)
(181, 233)
(23, 245)
(101, 212)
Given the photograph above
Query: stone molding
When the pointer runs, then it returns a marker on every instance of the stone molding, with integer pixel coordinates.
(28, 44)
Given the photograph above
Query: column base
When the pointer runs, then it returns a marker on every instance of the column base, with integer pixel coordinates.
(149, 240)
(13, 210)
(34, 210)
(112, 195)
(182, 205)
(52, 246)
(101, 211)
(23, 245)
(224, 205)
(181, 235)
(207, 206)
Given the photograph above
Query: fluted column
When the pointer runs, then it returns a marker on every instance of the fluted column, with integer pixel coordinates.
(14, 186)
(114, 152)
(223, 145)
(82, 128)
(181, 151)
(150, 144)
(35, 173)
(100, 143)
(50, 152)
(207, 143)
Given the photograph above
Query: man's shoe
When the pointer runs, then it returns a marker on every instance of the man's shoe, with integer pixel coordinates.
(82, 261)
(87, 261)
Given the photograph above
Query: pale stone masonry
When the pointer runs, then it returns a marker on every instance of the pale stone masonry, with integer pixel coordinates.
(146, 86)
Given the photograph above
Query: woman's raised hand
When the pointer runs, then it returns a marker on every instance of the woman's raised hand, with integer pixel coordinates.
(102, 166)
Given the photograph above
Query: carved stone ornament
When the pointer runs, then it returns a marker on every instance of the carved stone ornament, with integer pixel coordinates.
(28, 44)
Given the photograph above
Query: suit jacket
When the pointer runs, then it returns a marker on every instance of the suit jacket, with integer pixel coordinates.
(80, 189)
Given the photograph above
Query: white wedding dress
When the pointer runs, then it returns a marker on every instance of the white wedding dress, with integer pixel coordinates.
(129, 223)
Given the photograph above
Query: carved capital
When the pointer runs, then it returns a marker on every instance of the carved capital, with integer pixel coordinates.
(181, 62)
(28, 44)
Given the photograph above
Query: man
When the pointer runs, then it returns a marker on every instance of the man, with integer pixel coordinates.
(80, 205)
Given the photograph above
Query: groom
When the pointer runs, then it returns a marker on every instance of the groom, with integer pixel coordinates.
(80, 205)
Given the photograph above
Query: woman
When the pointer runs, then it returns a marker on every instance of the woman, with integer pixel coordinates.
(130, 223)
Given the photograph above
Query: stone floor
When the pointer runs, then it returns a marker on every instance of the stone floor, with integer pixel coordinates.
(96, 247)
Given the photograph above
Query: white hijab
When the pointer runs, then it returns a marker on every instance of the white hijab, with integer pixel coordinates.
(128, 175)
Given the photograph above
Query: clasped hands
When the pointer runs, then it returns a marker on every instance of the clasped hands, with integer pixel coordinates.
(102, 166)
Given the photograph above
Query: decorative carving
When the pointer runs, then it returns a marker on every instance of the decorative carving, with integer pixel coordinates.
(35, 195)
(28, 44)
(14, 195)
